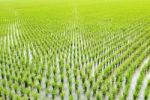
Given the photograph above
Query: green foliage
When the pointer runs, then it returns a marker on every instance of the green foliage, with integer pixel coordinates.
(72, 49)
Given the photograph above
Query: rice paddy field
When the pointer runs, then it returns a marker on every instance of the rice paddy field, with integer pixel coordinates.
(74, 50)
